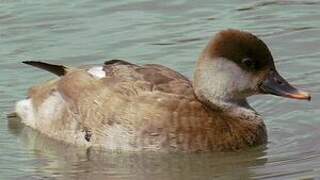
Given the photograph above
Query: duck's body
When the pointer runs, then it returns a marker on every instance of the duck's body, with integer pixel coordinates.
(123, 106)
(134, 107)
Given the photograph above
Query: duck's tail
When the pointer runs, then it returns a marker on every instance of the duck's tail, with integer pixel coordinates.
(58, 70)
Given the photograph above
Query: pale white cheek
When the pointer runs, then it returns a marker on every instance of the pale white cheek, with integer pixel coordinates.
(241, 80)
(97, 72)
(236, 78)
(223, 78)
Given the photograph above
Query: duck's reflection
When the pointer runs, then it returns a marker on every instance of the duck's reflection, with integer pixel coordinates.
(60, 161)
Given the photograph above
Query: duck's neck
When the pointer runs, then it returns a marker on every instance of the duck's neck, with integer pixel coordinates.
(237, 109)
(213, 87)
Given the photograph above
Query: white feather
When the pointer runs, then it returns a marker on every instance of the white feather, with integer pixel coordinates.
(97, 72)
(25, 110)
(50, 109)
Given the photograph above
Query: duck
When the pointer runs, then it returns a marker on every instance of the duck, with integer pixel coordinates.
(123, 106)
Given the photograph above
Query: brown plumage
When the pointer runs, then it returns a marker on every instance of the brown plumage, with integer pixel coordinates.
(123, 106)
(236, 46)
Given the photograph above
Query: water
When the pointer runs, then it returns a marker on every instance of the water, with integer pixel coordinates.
(171, 33)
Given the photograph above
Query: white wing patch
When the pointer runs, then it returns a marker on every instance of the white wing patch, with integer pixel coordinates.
(97, 72)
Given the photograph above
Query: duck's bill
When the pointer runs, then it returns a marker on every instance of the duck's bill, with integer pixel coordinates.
(277, 85)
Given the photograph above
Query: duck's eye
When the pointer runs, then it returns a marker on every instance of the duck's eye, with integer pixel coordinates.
(248, 63)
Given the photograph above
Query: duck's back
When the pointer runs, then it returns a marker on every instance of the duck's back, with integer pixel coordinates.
(150, 77)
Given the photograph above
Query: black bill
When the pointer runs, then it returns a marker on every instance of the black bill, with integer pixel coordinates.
(277, 85)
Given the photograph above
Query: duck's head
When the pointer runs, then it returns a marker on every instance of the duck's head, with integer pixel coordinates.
(235, 65)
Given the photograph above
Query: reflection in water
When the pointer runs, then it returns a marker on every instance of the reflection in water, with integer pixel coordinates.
(65, 161)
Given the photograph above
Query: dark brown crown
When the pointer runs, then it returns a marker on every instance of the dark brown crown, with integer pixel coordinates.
(238, 45)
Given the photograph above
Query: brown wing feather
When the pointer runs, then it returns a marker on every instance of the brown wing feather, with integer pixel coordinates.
(157, 77)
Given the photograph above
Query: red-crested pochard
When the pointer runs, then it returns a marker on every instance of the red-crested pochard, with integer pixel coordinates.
(124, 106)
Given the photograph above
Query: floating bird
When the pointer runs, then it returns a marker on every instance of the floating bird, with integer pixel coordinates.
(123, 106)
